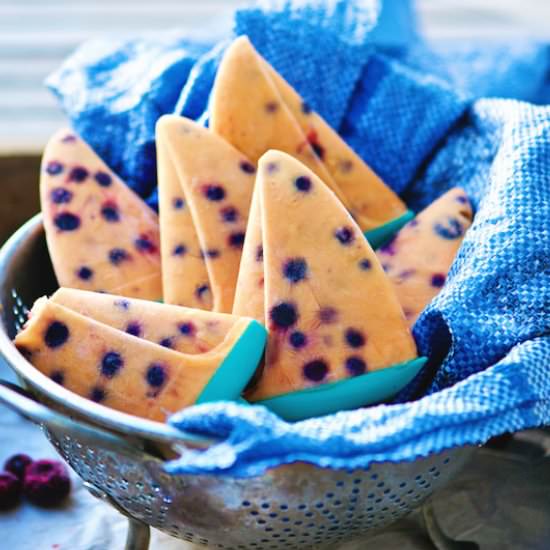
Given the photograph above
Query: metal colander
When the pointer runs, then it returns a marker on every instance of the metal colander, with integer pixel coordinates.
(120, 457)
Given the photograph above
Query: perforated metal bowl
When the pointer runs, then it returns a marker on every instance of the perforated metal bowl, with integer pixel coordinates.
(120, 457)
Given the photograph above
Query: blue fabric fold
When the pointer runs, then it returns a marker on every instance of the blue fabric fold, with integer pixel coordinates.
(421, 115)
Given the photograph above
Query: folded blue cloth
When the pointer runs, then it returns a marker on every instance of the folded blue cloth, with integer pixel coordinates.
(416, 113)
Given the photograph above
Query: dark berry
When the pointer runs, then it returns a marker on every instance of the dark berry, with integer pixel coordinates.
(365, 264)
(56, 335)
(67, 221)
(315, 370)
(356, 366)
(229, 214)
(260, 253)
(247, 167)
(103, 179)
(463, 200)
(58, 377)
(156, 375)
(179, 250)
(111, 363)
(201, 290)
(78, 174)
(327, 315)
(97, 394)
(297, 339)
(53, 168)
(85, 273)
(306, 109)
(283, 315)
(344, 235)
(302, 183)
(166, 342)
(47, 483)
(17, 464)
(178, 203)
(213, 253)
(134, 328)
(144, 244)
(413, 223)
(188, 329)
(453, 229)
(295, 270)
(214, 192)
(354, 338)
(236, 239)
(118, 255)
(271, 106)
(60, 195)
(272, 167)
(122, 304)
(110, 212)
(10, 490)
(389, 248)
(438, 280)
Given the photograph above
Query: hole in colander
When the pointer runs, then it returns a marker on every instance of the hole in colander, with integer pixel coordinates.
(265, 505)
(302, 507)
(283, 506)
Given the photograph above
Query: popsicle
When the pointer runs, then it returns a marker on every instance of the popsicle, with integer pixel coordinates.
(217, 183)
(418, 259)
(100, 234)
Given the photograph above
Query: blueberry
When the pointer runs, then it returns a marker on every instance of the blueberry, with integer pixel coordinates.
(303, 183)
(356, 366)
(17, 464)
(179, 250)
(247, 167)
(229, 214)
(260, 253)
(67, 221)
(144, 244)
(156, 375)
(188, 329)
(178, 203)
(295, 270)
(354, 338)
(315, 370)
(327, 315)
(438, 280)
(97, 394)
(166, 342)
(110, 213)
(365, 264)
(118, 255)
(56, 335)
(236, 239)
(283, 315)
(271, 106)
(59, 195)
(213, 253)
(85, 273)
(47, 482)
(344, 235)
(453, 229)
(214, 192)
(103, 178)
(201, 290)
(463, 200)
(389, 248)
(133, 328)
(122, 303)
(78, 174)
(297, 339)
(111, 363)
(53, 168)
(306, 109)
(58, 377)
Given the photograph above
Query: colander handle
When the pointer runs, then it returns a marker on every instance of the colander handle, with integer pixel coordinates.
(13, 397)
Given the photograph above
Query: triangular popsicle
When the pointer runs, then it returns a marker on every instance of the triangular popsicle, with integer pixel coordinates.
(100, 234)
(180, 328)
(330, 310)
(418, 259)
(371, 202)
(217, 182)
(133, 375)
(185, 278)
(247, 110)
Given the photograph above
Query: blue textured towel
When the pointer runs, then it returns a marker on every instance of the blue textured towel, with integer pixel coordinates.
(416, 113)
